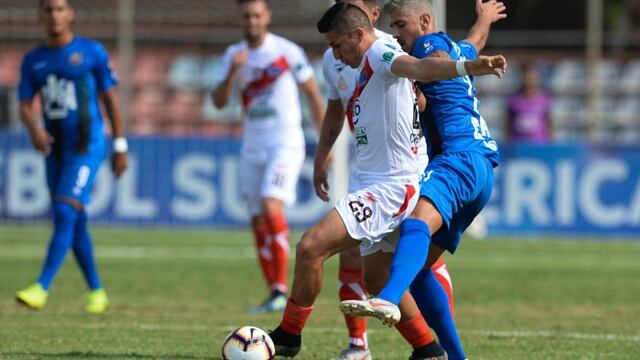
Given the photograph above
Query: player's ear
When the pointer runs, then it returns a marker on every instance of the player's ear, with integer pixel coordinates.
(425, 22)
(375, 14)
(358, 33)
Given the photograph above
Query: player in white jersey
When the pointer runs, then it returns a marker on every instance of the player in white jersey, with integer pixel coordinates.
(268, 69)
(341, 80)
(381, 116)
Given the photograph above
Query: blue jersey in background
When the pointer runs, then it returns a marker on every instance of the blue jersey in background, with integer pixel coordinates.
(451, 122)
(69, 79)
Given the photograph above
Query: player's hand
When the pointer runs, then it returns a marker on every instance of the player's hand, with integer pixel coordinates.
(119, 164)
(320, 180)
(491, 11)
(42, 141)
(238, 59)
(487, 65)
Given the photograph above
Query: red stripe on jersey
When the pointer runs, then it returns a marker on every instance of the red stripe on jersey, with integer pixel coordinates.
(363, 79)
(407, 197)
(269, 76)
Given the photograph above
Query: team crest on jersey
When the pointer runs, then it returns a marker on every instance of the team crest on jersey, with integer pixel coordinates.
(76, 58)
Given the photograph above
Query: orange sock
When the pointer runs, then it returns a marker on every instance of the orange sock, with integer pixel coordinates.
(265, 258)
(279, 232)
(294, 318)
(444, 278)
(416, 331)
(352, 288)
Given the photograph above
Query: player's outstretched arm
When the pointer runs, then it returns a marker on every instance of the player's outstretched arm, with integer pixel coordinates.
(112, 106)
(433, 69)
(488, 13)
(40, 138)
(329, 132)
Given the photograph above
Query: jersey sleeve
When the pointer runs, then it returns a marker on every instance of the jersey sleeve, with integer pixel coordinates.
(382, 56)
(332, 89)
(427, 45)
(468, 50)
(300, 67)
(27, 88)
(105, 76)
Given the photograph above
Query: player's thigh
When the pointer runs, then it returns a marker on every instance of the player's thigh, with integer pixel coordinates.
(327, 237)
(281, 174)
(77, 175)
(251, 174)
(449, 238)
(451, 181)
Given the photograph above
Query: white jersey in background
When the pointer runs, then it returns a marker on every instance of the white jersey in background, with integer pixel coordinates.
(268, 82)
(341, 82)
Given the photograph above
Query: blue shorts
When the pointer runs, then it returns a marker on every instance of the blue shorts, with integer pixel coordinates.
(72, 176)
(459, 185)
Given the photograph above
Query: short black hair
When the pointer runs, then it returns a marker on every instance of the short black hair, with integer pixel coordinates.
(369, 3)
(41, 3)
(342, 18)
(240, 2)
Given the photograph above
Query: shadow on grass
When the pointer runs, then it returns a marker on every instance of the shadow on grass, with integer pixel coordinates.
(99, 355)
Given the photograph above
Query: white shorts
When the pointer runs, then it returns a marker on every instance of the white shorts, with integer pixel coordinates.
(274, 174)
(373, 213)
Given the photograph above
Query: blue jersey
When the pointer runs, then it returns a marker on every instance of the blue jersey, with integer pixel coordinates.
(451, 122)
(69, 79)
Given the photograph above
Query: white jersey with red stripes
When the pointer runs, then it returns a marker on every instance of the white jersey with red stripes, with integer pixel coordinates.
(341, 81)
(268, 83)
(382, 116)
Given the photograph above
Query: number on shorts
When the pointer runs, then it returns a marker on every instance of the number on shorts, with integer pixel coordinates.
(360, 211)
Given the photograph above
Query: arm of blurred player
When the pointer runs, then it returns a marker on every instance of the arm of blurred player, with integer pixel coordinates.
(488, 13)
(435, 69)
(329, 132)
(40, 138)
(311, 91)
(222, 92)
(112, 106)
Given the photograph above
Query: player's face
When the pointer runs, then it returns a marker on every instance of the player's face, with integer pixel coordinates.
(255, 18)
(406, 28)
(345, 47)
(57, 16)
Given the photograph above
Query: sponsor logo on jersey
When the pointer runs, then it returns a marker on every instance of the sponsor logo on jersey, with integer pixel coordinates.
(361, 136)
(428, 46)
(40, 65)
(58, 97)
(353, 107)
(76, 58)
(264, 80)
(386, 57)
(391, 46)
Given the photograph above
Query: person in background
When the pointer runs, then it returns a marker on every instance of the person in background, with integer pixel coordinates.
(71, 74)
(268, 70)
(528, 110)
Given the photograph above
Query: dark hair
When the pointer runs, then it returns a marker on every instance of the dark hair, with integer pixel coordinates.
(369, 3)
(342, 18)
(41, 3)
(240, 2)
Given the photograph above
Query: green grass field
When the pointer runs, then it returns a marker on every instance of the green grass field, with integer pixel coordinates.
(176, 294)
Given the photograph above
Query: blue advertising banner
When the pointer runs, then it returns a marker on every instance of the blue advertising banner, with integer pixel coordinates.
(568, 189)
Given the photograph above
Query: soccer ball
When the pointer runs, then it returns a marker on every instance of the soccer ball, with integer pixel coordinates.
(248, 343)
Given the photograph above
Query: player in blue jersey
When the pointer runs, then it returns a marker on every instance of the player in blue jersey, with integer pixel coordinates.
(71, 74)
(458, 181)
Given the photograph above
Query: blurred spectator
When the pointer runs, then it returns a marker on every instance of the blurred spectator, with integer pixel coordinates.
(528, 109)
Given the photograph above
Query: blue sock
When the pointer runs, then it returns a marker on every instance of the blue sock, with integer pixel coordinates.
(434, 305)
(409, 258)
(83, 250)
(64, 222)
